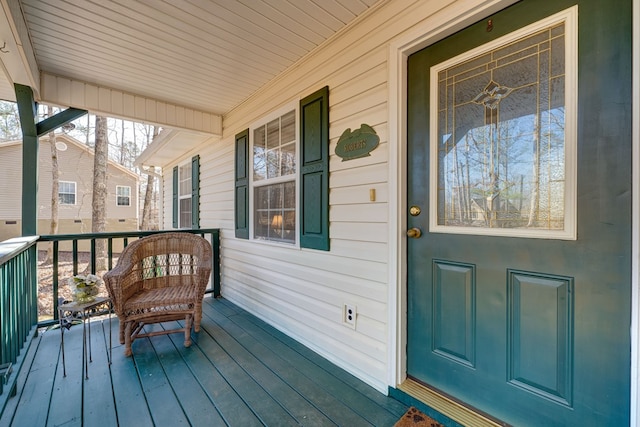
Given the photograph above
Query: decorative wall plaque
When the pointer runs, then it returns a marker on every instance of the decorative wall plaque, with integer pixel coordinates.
(359, 143)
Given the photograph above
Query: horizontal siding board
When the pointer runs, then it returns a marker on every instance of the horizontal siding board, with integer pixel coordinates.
(371, 174)
(359, 194)
(373, 212)
(339, 282)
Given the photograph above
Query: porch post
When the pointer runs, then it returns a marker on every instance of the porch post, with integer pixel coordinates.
(27, 110)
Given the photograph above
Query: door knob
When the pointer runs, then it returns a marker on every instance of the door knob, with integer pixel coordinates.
(414, 233)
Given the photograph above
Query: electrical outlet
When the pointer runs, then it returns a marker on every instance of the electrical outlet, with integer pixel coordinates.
(349, 314)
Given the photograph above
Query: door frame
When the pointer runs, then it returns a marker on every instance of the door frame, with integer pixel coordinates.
(432, 29)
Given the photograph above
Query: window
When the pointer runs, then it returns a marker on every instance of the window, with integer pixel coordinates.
(123, 195)
(504, 124)
(274, 179)
(67, 192)
(285, 149)
(184, 196)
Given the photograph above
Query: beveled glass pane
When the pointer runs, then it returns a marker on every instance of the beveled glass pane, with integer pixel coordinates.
(500, 137)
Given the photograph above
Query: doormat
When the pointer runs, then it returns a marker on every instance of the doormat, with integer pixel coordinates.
(415, 418)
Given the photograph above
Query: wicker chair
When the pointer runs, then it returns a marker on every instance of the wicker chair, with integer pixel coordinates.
(160, 278)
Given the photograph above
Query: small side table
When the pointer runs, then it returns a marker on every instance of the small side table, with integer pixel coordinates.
(85, 310)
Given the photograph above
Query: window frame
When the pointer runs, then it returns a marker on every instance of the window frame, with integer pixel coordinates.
(75, 193)
(187, 195)
(118, 195)
(291, 107)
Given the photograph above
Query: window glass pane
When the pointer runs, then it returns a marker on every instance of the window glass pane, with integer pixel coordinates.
(288, 159)
(185, 212)
(67, 193)
(273, 134)
(259, 154)
(185, 179)
(501, 137)
(288, 125)
(273, 163)
(273, 218)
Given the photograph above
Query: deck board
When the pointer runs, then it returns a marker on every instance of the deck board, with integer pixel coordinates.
(239, 371)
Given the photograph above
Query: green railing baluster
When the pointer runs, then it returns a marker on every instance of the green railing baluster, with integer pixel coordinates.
(56, 283)
(93, 256)
(110, 252)
(75, 256)
(215, 271)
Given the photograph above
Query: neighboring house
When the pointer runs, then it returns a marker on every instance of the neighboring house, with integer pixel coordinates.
(519, 323)
(75, 164)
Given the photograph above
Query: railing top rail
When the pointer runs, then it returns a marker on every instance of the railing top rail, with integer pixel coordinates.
(119, 234)
(10, 248)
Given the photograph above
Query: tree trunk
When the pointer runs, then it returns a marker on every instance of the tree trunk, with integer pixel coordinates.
(146, 210)
(55, 180)
(98, 216)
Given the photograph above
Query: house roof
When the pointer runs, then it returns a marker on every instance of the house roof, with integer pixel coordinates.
(180, 64)
(69, 141)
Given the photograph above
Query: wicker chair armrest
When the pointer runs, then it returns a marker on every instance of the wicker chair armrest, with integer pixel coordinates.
(120, 285)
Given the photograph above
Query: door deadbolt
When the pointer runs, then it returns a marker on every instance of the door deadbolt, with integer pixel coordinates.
(414, 211)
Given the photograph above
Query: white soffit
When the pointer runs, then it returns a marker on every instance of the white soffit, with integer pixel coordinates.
(171, 145)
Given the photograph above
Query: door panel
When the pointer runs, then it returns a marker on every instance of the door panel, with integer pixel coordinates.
(533, 331)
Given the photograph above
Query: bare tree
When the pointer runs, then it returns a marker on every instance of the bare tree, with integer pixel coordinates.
(98, 217)
(55, 180)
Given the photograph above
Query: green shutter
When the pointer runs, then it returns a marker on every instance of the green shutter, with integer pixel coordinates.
(175, 197)
(195, 192)
(242, 185)
(314, 170)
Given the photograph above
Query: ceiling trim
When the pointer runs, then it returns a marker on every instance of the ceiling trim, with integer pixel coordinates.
(66, 92)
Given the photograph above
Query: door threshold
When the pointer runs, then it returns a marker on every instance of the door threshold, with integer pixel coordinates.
(447, 406)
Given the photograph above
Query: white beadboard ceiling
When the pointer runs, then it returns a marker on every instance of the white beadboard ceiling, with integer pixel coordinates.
(207, 55)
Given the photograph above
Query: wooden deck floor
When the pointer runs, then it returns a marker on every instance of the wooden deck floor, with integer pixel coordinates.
(239, 372)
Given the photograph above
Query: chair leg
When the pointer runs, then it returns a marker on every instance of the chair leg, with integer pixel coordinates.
(187, 330)
(197, 317)
(127, 338)
(121, 331)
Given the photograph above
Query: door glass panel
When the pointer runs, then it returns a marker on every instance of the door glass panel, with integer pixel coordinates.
(500, 153)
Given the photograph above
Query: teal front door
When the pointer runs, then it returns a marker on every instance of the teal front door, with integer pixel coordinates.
(519, 214)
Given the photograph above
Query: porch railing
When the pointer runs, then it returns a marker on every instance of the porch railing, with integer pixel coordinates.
(114, 243)
(19, 317)
(18, 305)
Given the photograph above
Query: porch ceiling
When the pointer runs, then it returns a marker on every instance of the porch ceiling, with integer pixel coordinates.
(207, 56)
